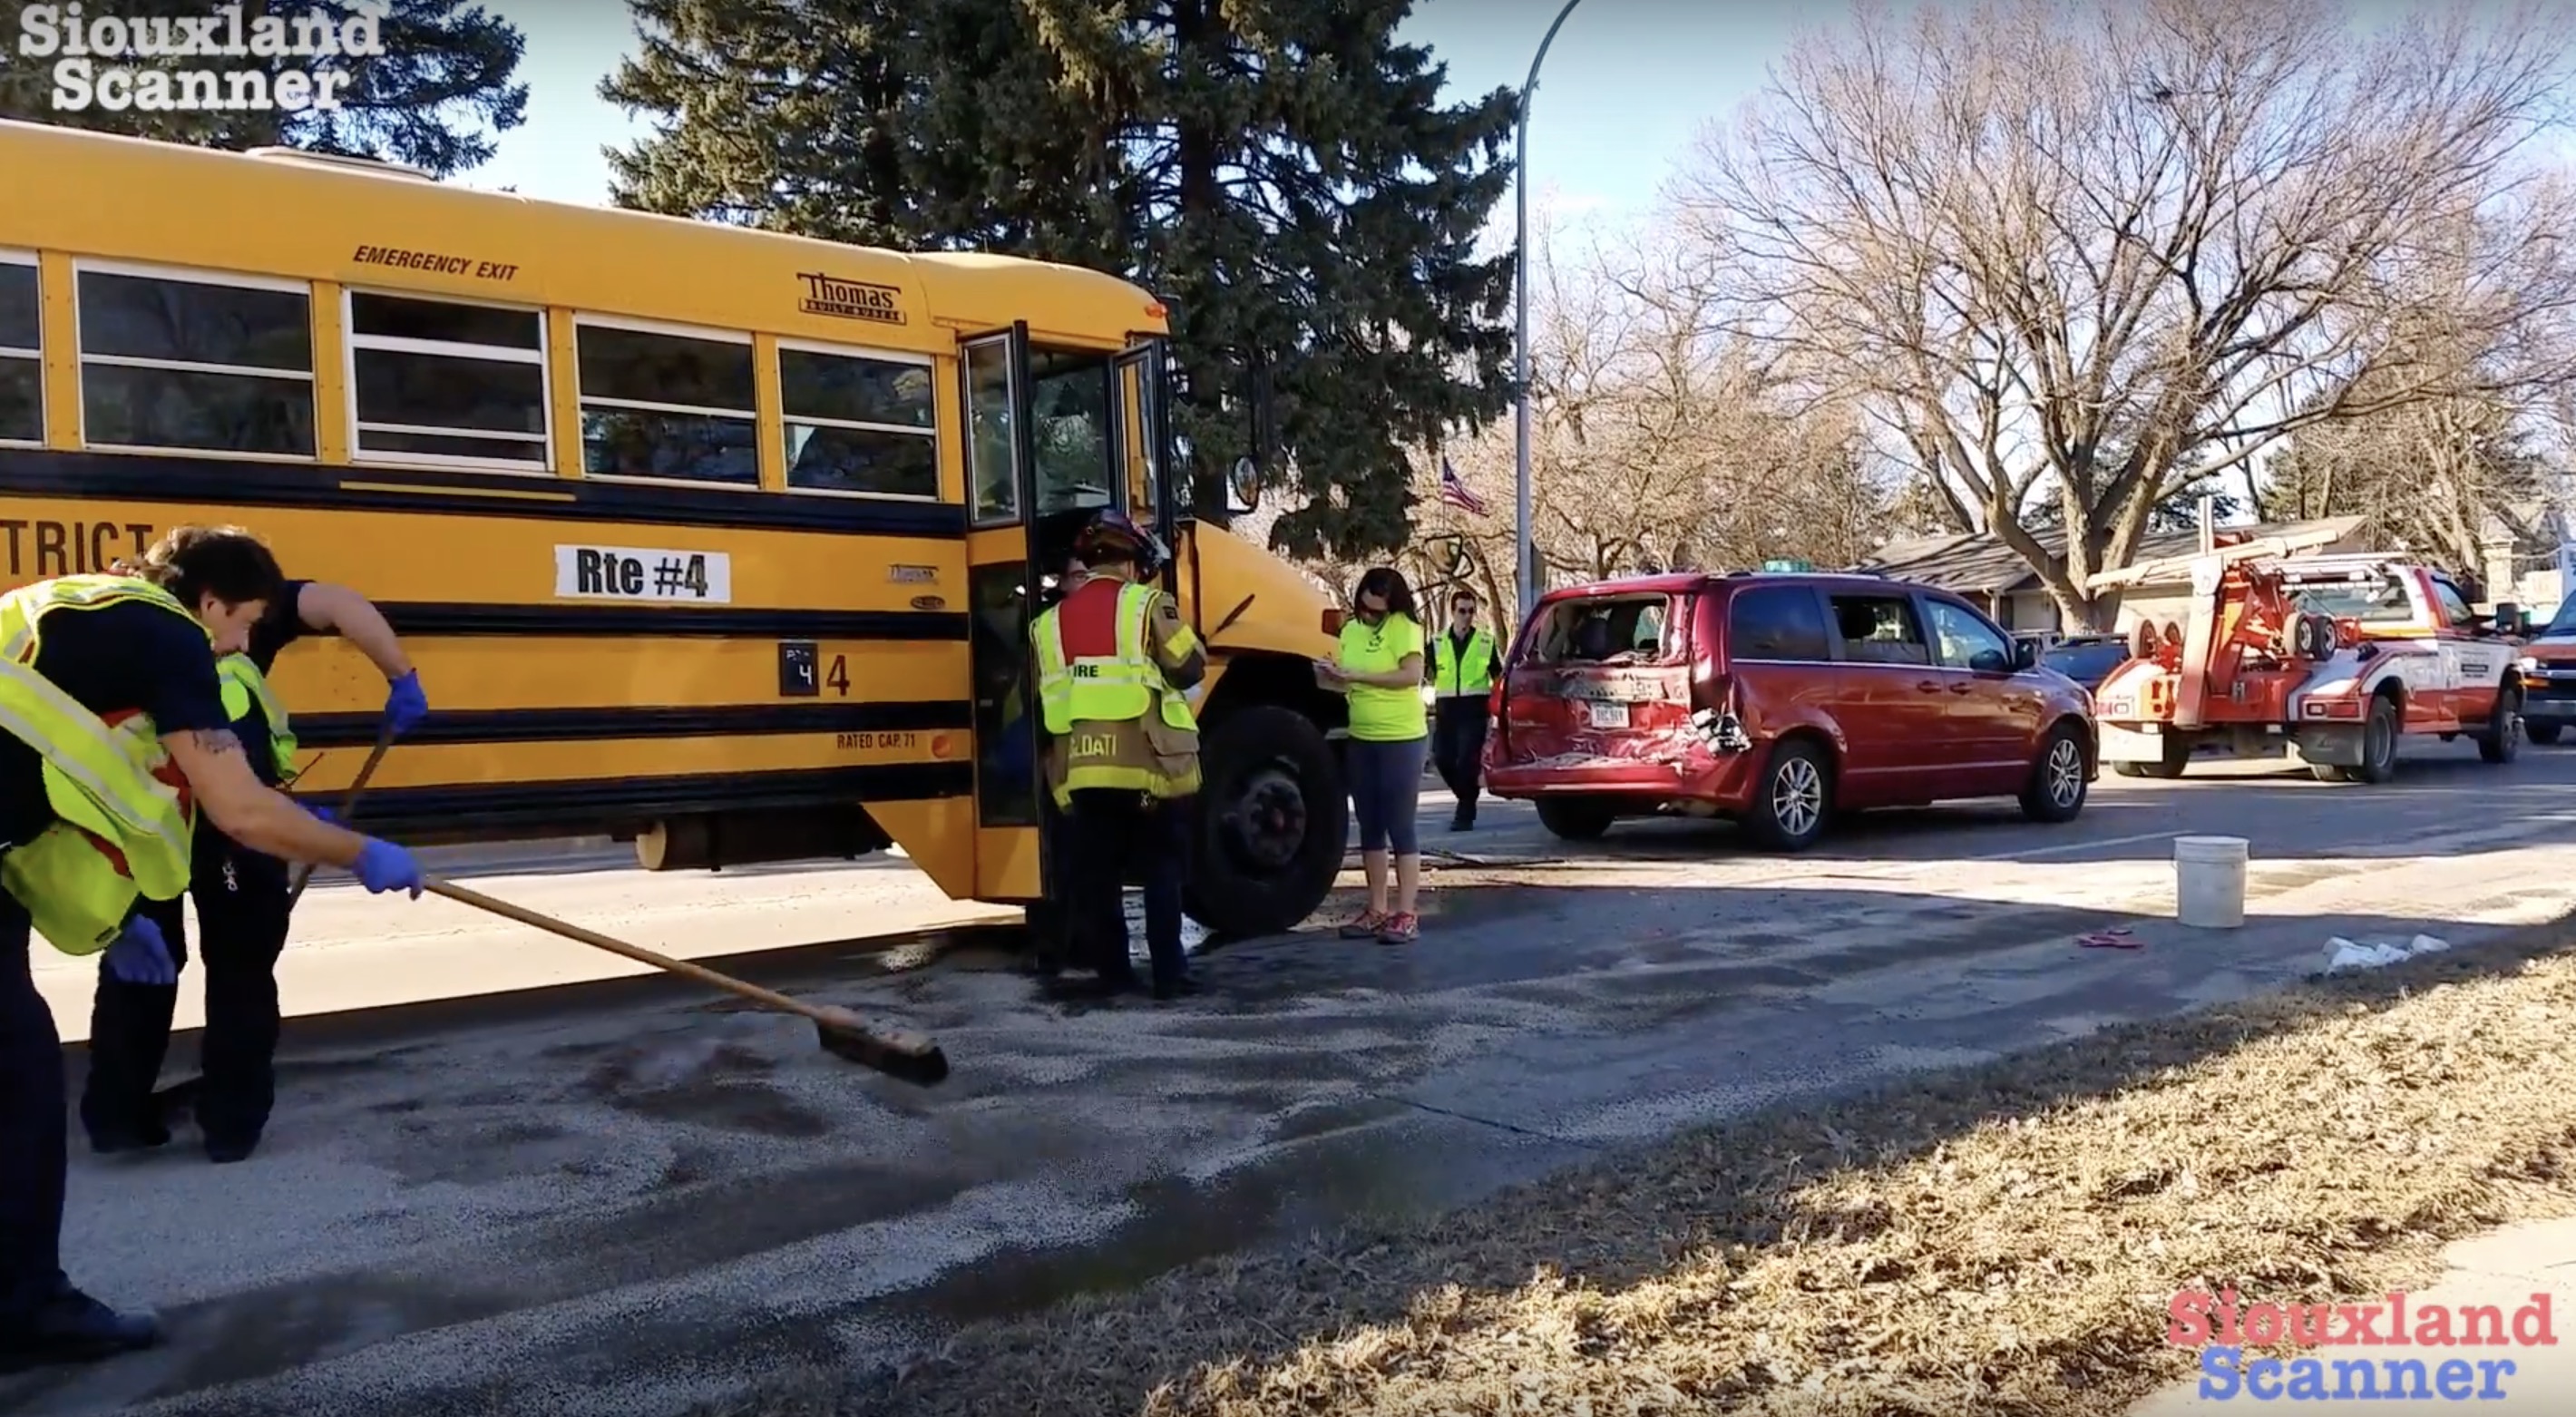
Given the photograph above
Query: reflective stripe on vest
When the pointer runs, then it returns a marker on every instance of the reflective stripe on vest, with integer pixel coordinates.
(1445, 673)
(124, 817)
(244, 686)
(1105, 689)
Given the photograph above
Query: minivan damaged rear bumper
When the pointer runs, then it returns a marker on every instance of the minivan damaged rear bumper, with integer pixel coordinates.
(1692, 772)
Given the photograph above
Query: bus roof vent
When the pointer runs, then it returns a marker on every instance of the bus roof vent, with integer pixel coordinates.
(372, 166)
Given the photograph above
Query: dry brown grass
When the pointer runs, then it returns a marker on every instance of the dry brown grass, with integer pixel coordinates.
(1996, 1240)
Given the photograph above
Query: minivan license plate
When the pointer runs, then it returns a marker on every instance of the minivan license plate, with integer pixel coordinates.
(1608, 715)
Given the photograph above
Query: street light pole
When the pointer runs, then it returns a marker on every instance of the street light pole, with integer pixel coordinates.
(1527, 549)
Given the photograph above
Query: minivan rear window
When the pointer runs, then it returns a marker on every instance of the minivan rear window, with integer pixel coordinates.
(1609, 629)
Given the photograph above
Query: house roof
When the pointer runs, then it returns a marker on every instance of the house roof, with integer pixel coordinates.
(1979, 563)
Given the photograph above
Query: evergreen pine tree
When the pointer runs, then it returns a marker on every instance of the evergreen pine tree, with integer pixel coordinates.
(434, 98)
(1281, 172)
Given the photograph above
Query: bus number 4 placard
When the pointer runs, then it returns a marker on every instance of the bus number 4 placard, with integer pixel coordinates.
(798, 663)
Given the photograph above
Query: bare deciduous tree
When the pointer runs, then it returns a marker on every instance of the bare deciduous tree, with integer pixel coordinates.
(2091, 254)
(1658, 441)
(2434, 474)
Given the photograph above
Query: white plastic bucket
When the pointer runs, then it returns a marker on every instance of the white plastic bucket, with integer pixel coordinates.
(2209, 881)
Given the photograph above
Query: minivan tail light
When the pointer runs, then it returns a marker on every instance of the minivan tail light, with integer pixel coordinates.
(1711, 690)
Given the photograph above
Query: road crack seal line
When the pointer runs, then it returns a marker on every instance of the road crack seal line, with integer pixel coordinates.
(1500, 1126)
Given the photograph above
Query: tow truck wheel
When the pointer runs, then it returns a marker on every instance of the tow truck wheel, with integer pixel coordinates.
(2502, 741)
(2543, 734)
(2378, 742)
(2177, 756)
(1271, 822)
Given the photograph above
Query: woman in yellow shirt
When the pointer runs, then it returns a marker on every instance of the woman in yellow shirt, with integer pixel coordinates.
(1379, 666)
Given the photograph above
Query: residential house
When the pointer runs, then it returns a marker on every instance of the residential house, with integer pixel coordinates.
(2530, 557)
(1994, 577)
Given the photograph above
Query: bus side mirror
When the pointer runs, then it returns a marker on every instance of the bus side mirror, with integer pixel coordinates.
(1243, 487)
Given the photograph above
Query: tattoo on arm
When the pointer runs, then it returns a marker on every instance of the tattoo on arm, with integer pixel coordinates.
(215, 742)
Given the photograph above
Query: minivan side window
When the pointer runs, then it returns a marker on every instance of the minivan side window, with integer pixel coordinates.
(1880, 629)
(1779, 623)
(1966, 642)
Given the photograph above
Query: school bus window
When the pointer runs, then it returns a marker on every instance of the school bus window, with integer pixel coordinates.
(436, 381)
(1071, 397)
(191, 362)
(858, 424)
(22, 371)
(990, 461)
(667, 405)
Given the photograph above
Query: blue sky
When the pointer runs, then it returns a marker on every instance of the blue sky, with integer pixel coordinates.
(1626, 88)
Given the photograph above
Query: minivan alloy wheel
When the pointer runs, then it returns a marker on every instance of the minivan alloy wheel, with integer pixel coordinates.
(1797, 796)
(2065, 772)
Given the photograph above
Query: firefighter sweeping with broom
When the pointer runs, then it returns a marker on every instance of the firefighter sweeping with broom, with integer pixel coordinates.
(112, 733)
(242, 896)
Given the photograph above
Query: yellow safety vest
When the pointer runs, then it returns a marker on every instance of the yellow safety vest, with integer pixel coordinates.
(121, 830)
(244, 686)
(1448, 680)
(1120, 688)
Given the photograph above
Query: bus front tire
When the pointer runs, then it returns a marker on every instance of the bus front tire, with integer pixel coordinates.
(1270, 826)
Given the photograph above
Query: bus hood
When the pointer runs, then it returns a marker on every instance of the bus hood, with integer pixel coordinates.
(1244, 598)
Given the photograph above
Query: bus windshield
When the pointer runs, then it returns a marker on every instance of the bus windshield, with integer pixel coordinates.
(1069, 397)
(1073, 427)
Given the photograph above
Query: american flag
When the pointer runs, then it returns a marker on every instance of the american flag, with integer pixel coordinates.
(1453, 490)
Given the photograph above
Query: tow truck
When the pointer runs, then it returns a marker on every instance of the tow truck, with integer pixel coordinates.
(2325, 659)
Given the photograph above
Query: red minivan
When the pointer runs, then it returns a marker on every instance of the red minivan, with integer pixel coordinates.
(1777, 700)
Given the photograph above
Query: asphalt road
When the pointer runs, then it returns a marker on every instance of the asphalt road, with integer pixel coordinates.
(618, 1198)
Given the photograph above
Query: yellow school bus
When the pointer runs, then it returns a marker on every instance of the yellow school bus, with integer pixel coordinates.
(718, 540)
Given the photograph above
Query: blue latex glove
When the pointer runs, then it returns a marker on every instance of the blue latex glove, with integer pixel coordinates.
(324, 815)
(405, 705)
(383, 866)
(140, 955)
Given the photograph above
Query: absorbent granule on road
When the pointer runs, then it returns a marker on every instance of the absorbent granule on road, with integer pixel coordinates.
(1999, 1239)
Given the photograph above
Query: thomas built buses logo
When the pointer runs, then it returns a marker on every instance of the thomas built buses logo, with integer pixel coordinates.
(119, 62)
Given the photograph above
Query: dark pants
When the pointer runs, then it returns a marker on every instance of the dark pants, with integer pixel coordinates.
(1113, 835)
(240, 896)
(32, 1155)
(1051, 921)
(1385, 780)
(1458, 749)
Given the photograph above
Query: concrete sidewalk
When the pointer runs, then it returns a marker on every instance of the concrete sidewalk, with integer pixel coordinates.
(2510, 1269)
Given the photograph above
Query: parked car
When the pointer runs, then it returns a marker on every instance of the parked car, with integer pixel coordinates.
(2087, 659)
(2548, 666)
(1777, 700)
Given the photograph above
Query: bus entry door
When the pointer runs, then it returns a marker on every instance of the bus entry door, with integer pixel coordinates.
(1145, 437)
(1005, 587)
